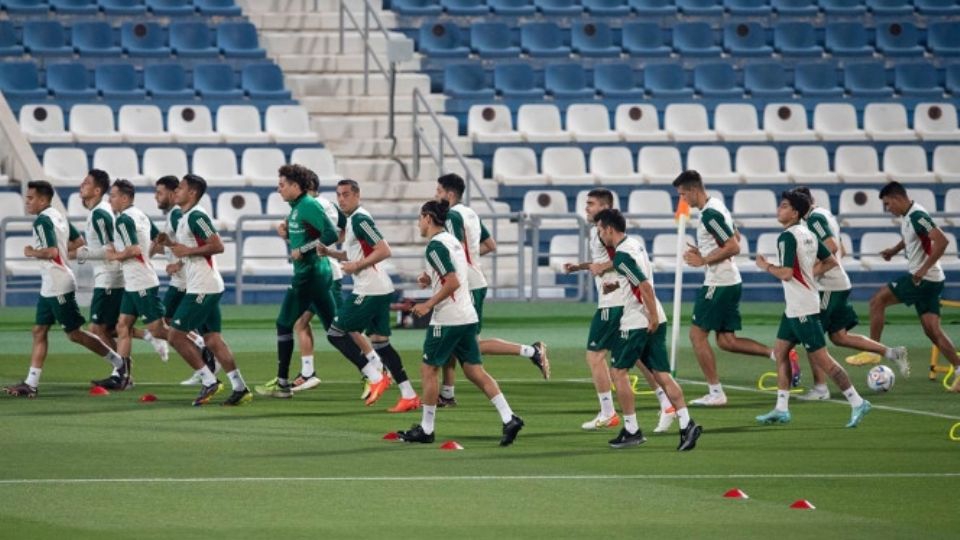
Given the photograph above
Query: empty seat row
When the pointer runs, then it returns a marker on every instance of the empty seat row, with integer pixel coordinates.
(806, 164)
(165, 8)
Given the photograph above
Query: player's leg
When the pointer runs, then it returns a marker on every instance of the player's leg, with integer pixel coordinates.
(447, 388)
(240, 394)
(781, 351)
(879, 303)
(355, 315)
(537, 352)
(700, 340)
(731, 342)
(934, 332)
(467, 350)
(859, 406)
(38, 354)
(668, 412)
(379, 331)
(626, 351)
(201, 312)
(604, 335)
(437, 351)
(295, 303)
(306, 378)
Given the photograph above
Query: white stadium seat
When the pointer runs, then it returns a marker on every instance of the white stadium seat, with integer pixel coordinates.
(232, 205)
(44, 124)
(613, 165)
(924, 197)
(655, 207)
(13, 249)
(541, 123)
(271, 253)
(65, 166)
(767, 246)
(227, 261)
(787, 122)
(946, 163)
(320, 161)
(75, 207)
(755, 207)
(565, 165)
(936, 122)
(665, 252)
(687, 122)
(564, 248)
(163, 161)
(760, 165)
(887, 122)
(713, 163)
(950, 260)
(218, 166)
(821, 198)
(809, 165)
(192, 124)
(659, 164)
(737, 122)
(142, 124)
(848, 260)
(540, 201)
(837, 122)
(590, 123)
(907, 164)
(147, 203)
(119, 162)
(93, 123)
(240, 124)
(638, 123)
(491, 124)
(856, 202)
(858, 163)
(276, 205)
(11, 206)
(261, 166)
(517, 166)
(289, 124)
(951, 206)
(872, 243)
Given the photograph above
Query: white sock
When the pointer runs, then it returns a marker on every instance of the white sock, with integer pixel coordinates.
(198, 341)
(783, 400)
(428, 417)
(372, 373)
(822, 388)
(684, 416)
(889, 354)
(500, 402)
(527, 351)
(715, 388)
(630, 423)
(606, 404)
(406, 390)
(853, 397)
(236, 380)
(446, 391)
(115, 360)
(147, 336)
(665, 404)
(374, 359)
(206, 376)
(306, 366)
(773, 356)
(33, 377)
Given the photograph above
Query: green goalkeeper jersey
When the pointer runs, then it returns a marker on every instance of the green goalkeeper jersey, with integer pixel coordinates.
(308, 224)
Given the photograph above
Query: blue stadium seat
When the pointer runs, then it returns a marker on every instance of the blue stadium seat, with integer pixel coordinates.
(644, 39)
(225, 8)
(167, 81)
(75, 7)
(817, 80)
(766, 80)
(567, 81)
(797, 8)
(216, 81)
(899, 39)
(45, 38)
(700, 7)
(607, 8)
(567, 8)
(512, 7)
(746, 39)
(443, 40)
(899, 8)
(617, 81)
(9, 42)
(263, 81)
(917, 80)
(192, 40)
(171, 8)
(943, 38)
(143, 40)
(492, 40)
(868, 79)
(516, 81)
(695, 39)
(752, 8)
(952, 79)
(843, 7)
(654, 8)
(20, 80)
(796, 39)
(543, 39)
(417, 7)
(847, 39)
(26, 7)
(69, 80)
(118, 81)
(593, 39)
(94, 39)
(465, 7)
(716, 80)
(123, 7)
(239, 40)
(666, 80)
(937, 7)
(466, 81)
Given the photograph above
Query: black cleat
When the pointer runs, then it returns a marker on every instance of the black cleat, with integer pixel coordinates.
(416, 435)
(689, 436)
(540, 359)
(510, 430)
(22, 389)
(625, 439)
(446, 402)
(207, 393)
(238, 397)
(208, 359)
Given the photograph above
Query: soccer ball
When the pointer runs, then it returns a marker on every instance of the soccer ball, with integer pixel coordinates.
(880, 379)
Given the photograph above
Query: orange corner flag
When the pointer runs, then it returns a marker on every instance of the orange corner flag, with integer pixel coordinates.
(683, 209)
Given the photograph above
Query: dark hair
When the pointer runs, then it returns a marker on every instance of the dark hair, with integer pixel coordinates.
(196, 183)
(605, 196)
(313, 181)
(42, 188)
(354, 186)
(125, 187)
(689, 178)
(453, 182)
(298, 174)
(798, 201)
(894, 189)
(611, 217)
(437, 210)
(100, 179)
(170, 182)
(804, 190)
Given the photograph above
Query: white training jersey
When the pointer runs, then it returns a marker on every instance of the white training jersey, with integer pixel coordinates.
(339, 221)
(799, 249)
(445, 255)
(177, 279)
(464, 224)
(824, 225)
(194, 230)
(632, 262)
(715, 228)
(601, 254)
(52, 230)
(915, 228)
(99, 231)
(359, 240)
(133, 229)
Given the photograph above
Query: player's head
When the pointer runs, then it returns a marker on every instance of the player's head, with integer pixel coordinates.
(94, 186)
(895, 198)
(294, 181)
(122, 194)
(166, 187)
(597, 200)
(450, 187)
(348, 195)
(793, 206)
(190, 190)
(690, 186)
(313, 182)
(38, 197)
(804, 190)
(433, 216)
(611, 226)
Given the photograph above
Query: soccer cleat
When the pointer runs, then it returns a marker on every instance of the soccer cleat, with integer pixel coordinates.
(416, 435)
(446, 402)
(774, 417)
(22, 389)
(377, 389)
(207, 393)
(863, 358)
(540, 359)
(406, 405)
(689, 436)
(192, 380)
(711, 400)
(666, 420)
(815, 394)
(273, 388)
(601, 421)
(162, 348)
(365, 392)
(510, 430)
(902, 360)
(208, 359)
(238, 397)
(794, 368)
(625, 439)
(115, 382)
(857, 414)
(305, 383)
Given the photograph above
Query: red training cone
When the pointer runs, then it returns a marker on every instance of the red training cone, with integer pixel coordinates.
(803, 504)
(736, 493)
(392, 436)
(99, 391)
(451, 445)
(148, 398)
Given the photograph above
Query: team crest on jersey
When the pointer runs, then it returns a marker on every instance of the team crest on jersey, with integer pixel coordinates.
(294, 215)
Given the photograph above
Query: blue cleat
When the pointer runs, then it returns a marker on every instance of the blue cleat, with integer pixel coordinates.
(856, 416)
(774, 417)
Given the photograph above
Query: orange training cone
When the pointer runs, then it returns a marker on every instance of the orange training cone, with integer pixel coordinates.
(99, 391)
(736, 493)
(803, 504)
(392, 436)
(451, 445)
(148, 398)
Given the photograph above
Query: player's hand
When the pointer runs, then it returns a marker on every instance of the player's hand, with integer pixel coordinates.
(28, 251)
(295, 255)
(597, 269)
(179, 250)
(652, 325)
(610, 286)
(109, 253)
(888, 254)
(569, 268)
(322, 250)
(350, 267)
(693, 258)
(918, 277)
(420, 310)
(762, 262)
(173, 268)
(423, 280)
(282, 229)
(162, 239)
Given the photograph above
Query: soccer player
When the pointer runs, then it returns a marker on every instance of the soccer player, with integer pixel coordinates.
(57, 302)
(643, 333)
(196, 242)
(802, 259)
(836, 314)
(717, 308)
(924, 244)
(605, 326)
(464, 224)
(453, 327)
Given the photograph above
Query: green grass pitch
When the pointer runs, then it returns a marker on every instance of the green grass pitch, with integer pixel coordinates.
(75, 466)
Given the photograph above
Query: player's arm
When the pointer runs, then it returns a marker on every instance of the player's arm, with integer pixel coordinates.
(826, 261)
(74, 240)
(787, 249)
(202, 228)
(366, 231)
(127, 231)
(46, 248)
(934, 242)
(104, 230)
(487, 243)
(626, 266)
(888, 253)
(821, 229)
(440, 262)
(724, 236)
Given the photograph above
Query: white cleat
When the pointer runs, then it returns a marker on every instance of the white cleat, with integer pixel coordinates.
(302, 383)
(162, 348)
(601, 421)
(194, 380)
(903, 363)
(666, 420)
(815, 394)
(711, 400)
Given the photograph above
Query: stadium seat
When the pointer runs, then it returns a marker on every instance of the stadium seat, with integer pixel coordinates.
(822, 199)
(547, 201)
(639, 123)
(613, 165)
(119, 162)
(937, 7)
(192, 40)
(737, 122)
(809, 165)
(465, 7)
(687, 122)
(753, 8)
(219, 167)
(949, 260)
(488, 40)
(917, 80)
(607, 8)
(593, 40)
(590, 123)
(817, 80)
(946, 163)
(260, 165)
(216, 81)
(857, 202)
(289, 124)
(491, 124)
(45, 38)
(868, 79)
(700, 7)
(567, 81)
(417, 7)
(148, 205)
(665, 251)
(94, 38)
(713, 163)
(943, 38)
(223, 8)
(907, 164)
(746, 39)
(516, 81)
(263, 81)
(158, 162)
(44, 124)
(265, 256)
(898, 39)
(118, 81)
(872, 243)
(759, 165)
(27, 7)
(766, 80)
(69, 81)
(805, 8)
(142, 124)
(563, 8)
(755, 208)
(516, 166)
(695, 39)
(171, 8)
(541, 123)
(93, 123)
(444, 40)
(643, 39)
(565, 165)
(240, 124)
(936, 122)
(842, 7)
(9, 42)
(191, 124)
(15, 264)
(512, 7)
(716, 80)
(232, 205)
(543, 40)
(74, 7)
(887, 122)
(890, 8)
(239, 40)
(857, 163)
(64, 166)
(143, 39)
(659, 164)
(564, 248)
(466, 81)
(796, 39)
(951, 205)
(276, 205)
(11, 206)
(787, 122)
(837, 122)
(320, 161)
(616, 81)
(667, 80)
(654, 206)
(122, 7)
(167, 81)
(654, 8)
(767, 245)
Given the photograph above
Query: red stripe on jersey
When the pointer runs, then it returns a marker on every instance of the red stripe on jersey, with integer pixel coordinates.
(453, 295)
(797, 274)
(610, 251)
(365, 247)
(926, 244)
(636, 293)
(58, 259)
(200, 243)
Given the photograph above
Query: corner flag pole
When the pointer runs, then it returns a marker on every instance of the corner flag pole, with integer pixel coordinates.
(682, 215)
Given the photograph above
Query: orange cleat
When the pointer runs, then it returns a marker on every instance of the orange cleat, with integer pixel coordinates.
(406, 405)
(377, 389)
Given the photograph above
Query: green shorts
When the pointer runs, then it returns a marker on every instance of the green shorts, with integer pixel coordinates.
(718, 308)
(62, 309)
(925, 298)
(145, 304)
(445, 342)
(836, 313)
(337, 293)
(638, 344)
(200, 312)
(171, 301)
(308, 292)
(604, 329)
(479, 295)
(804, 330)
(368, 314)
(105, 306)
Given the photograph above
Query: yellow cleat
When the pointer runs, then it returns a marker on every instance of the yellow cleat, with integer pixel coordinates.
(863, 358)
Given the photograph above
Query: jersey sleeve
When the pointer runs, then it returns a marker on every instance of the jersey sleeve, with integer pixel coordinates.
(174, 221)
(438, 256)
(341, 218)
(127, 230)
(455, 225)
(103, 226)
(72, 233)
(922, 223)
(365, 230)
(717, 226)
(787, 249)
(823, 252)
(154, 231)
(201, 226)
(819, 226)
(484, 233)
(46, 234)
(627, 267)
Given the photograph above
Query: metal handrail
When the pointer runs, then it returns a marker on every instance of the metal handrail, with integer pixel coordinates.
(364, 32)
(582, 226)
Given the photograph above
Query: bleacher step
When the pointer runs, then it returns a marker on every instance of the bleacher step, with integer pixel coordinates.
(336, 63)
(367, 105)
(325, 42)
(384, 147)
(331, 127)
(312, 20)
(298, 6)
(352, 84)
(383, 170)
